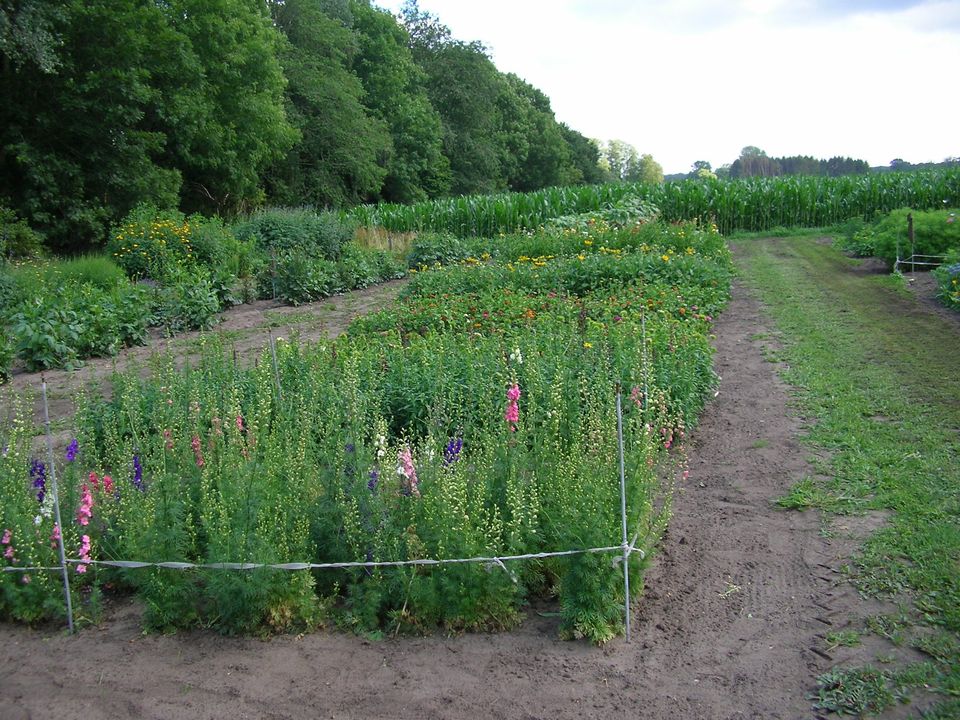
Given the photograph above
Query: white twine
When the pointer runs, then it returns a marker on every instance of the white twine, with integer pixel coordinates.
(624, 549)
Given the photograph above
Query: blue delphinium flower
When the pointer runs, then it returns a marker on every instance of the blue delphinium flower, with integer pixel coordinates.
(38, 474)
(72, 449)
(372, 482)
(137, 473)
(452, 452)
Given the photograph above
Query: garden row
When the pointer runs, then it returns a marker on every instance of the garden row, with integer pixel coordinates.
(750, 204)
(163, 269)
(475, 418)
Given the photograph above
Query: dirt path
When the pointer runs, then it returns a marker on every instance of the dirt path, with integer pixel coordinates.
(731, 624)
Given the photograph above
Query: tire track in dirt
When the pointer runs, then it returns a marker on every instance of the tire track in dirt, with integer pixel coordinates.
(736, 599)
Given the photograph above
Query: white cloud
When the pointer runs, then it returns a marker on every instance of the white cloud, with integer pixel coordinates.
(692, 80)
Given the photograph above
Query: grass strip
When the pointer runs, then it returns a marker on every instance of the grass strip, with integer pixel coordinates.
(880, 376)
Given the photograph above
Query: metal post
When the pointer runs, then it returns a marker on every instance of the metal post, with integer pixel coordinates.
(913, 250)
(56, 507)
(623, 518)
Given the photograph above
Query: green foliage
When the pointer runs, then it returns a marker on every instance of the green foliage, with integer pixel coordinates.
(435, 248)
(300, 279)
(7, 354)
(82, 320)
(46, 334)
(304, 232)
(190, 303)
(93, 269)
(153, 244)
(17, 240)
(756, 204)
(948, 280)
(220, 464)
(854, 692)
(935, 233)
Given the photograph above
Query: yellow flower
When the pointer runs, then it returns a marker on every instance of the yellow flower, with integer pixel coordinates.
(588, 345)
(588, 242)
(581, 257)
(665, 258)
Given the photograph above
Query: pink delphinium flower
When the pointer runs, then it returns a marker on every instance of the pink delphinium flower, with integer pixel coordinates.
(512, 415)
(636, 395)
(55, 536)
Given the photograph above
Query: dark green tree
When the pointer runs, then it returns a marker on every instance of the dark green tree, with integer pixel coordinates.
(343, 151)
(394, 92)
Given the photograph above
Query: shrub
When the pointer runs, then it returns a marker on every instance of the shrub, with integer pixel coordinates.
(7, 353)
(46, 334)
(190, 303)
(152, 244)
(355, 268)
(948, 280)
(279, 231)
(18, 241)
(432, 248)
(935, 233)
(301, 280)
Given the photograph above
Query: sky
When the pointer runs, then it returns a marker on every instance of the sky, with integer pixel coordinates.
(688, 80)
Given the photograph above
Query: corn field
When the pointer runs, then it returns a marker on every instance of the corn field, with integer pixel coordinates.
(753, 204)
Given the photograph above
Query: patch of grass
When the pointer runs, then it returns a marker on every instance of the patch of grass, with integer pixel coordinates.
(881, 380)
(853, 691)
(843, 638)
(759, 444)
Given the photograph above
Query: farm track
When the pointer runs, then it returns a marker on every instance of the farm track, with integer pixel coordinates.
(730, 626)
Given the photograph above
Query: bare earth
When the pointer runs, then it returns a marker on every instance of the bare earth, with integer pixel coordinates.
(731, 624)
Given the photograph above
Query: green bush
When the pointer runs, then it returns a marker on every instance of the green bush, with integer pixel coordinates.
(301, 280)
(433, 248)
(279, 231)
(935, 233)
(18, 241)
(948, 280)
(46, 334)
(7, 353)
(356, 268)
(190, 303)
(152, 244)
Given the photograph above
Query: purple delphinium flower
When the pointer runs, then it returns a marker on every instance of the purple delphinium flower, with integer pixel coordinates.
(137, 473)
(452, 452)
(72, 449)
(372, 482)
(38, 473)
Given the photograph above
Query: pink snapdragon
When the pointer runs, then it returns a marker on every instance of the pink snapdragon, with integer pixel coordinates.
(85, 511)
(7, 540)
(512, 415)
(84, 553)
(197, 452)
(408, 472)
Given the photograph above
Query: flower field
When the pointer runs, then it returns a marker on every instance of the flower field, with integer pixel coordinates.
(475, 418)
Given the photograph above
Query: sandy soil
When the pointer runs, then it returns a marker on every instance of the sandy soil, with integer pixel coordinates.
(731, 625)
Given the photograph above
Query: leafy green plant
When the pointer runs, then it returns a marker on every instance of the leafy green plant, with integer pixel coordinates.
(301, 280)
(435, 248)
(935, 233)
(18, 241)
(7, 354)
(46, 334)
(97, 270)
(153, 244)
(355, 268)
(191, 303)
(948, 280)
(304, 231)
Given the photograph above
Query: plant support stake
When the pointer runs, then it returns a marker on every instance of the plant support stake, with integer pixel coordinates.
(56, 507)
(623, 519)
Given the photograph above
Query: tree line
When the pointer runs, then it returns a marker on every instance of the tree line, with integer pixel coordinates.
(220, 106)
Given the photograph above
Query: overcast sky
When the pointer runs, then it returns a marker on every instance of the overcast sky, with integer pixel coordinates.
(690, 80)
